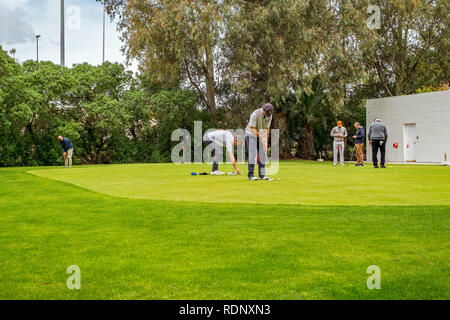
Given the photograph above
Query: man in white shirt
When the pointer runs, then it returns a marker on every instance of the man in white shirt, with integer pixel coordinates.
(257, 134)
(220, 138)
(339, 133)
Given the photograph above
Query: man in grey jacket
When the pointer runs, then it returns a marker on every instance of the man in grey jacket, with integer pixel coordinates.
(339, 134)
(378, 136)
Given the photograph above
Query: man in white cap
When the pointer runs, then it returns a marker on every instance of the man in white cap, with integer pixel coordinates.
(220, 138)
(257, 137)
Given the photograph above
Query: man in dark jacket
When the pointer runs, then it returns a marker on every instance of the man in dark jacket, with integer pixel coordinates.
(67, 148)
(378, 137)
(359, 143)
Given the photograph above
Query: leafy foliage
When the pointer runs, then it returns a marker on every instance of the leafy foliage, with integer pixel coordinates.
(216, 61)
(102, 110)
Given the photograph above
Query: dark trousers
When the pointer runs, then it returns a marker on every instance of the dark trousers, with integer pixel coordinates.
(253, 144)
(215, 165)
(378, 145)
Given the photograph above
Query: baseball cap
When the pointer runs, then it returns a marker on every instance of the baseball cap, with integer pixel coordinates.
(268, 109)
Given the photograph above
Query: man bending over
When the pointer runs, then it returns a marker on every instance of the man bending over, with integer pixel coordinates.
(67, 149)
(219, 138)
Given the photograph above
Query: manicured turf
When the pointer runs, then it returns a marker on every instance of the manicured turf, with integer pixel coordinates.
(131, 243)
(309, 183)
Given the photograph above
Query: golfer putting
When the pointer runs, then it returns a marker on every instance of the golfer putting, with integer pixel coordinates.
(219, 138)
(256, 138)
(67, 148)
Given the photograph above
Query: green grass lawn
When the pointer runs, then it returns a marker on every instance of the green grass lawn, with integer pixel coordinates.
(155, 232)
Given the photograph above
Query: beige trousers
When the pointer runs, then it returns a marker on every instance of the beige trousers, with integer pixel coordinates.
(359, 153)
(68, 158)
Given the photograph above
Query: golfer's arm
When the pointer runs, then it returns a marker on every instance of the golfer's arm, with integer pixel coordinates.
(233, 159)
(256, 131)
(360, 134)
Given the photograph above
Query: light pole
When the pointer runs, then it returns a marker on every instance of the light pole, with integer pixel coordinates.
(63, 62)
(104, 27)
(37, 47)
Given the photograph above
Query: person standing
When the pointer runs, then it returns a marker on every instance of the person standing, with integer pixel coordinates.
(339, 133)
(220, 138)
(359, 143)
(67, 148)
(378, 136)
(256, 138)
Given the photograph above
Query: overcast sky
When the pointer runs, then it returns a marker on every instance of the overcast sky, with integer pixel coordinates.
(22, 20)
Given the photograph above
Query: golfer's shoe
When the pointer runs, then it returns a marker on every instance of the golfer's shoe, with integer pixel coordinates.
(266, 178)
(383, 166)
(217, 173)
(252, 179)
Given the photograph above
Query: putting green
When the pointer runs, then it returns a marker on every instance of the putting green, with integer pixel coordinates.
(307, 183)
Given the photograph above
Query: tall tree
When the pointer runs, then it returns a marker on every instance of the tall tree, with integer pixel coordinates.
(175, 42)
(407, 51)
(269, 45)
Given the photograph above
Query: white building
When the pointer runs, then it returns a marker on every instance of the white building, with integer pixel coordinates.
(419, 124)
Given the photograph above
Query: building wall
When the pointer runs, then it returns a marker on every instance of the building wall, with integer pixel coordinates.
(431, 114)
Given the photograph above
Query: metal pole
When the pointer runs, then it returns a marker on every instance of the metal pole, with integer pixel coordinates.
(63, 62)
(104, 27)
(37, 47)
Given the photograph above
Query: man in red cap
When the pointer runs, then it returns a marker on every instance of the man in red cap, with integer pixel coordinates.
(339, 134)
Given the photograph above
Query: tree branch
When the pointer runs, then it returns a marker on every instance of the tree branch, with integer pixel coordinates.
(194, 83)
(381, 75)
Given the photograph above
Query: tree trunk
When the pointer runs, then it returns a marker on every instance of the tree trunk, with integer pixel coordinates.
(210, 85)
(305, 148)
(279, 122)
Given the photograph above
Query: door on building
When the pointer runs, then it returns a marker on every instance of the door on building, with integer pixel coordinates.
(409, 137)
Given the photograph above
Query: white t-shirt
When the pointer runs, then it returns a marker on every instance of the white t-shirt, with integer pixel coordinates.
(258, 121)
(221, 136)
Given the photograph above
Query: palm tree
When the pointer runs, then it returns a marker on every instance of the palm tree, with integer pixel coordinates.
(13, 53)
(306, 119)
